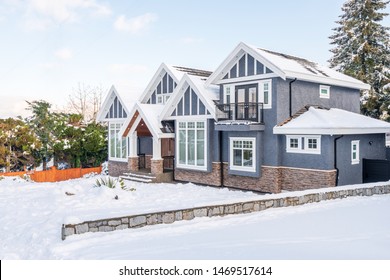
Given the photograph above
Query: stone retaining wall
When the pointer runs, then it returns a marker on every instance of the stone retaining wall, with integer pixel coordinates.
(168, 217)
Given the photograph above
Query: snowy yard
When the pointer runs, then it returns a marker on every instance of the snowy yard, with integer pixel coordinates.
(32, 214)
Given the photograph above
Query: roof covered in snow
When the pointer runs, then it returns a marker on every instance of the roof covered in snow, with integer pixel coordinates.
(150, 114)
(288, 66)
(318, 120)
(206, 93)
(176, 72)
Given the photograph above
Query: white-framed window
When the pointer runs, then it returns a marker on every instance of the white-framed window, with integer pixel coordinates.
(160, 99)
(304, 144)
(324, 91)
(242, 154)
(294, 143)
(117, 144)
(265, 93)
(227, 90)
(191, 145)
(355, 159)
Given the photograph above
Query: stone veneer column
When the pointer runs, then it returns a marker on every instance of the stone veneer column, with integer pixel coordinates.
(157, 166)
(133, 163)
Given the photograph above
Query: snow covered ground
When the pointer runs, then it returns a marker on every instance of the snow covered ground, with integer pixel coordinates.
(31, 215)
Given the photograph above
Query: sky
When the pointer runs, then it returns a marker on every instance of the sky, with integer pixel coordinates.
(48, 48)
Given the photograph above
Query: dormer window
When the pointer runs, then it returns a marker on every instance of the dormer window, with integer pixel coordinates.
(324, 91)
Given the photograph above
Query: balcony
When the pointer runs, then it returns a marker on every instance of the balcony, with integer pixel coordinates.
(240, 116)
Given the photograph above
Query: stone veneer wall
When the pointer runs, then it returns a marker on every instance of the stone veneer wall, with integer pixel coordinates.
(168, 217)
(117, 168)
(272, 179)
(212, 178)
(296, 179)
(269, 181)
(148, 161)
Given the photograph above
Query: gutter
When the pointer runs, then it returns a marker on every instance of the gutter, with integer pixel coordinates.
(335, 159)
(290, 96)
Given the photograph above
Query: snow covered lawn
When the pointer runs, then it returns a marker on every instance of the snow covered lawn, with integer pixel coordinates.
(32, 213)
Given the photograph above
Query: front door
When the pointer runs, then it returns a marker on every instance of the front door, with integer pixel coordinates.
(246, 102)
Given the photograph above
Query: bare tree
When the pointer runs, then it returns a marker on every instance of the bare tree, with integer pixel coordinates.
(86, 100)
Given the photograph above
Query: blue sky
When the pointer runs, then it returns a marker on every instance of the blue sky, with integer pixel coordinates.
(48, 47)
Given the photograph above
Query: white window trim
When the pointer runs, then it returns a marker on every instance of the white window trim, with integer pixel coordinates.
(303, 149)
(187, 166)
(110, 157)
(261, 93)
(357, 160)
(327, 88)
(293, 150)
(242, 168)
(231, 88)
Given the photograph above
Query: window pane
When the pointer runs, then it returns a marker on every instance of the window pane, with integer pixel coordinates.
(182, 146)
(200, 124)
(237, 144)
(248, 162)
(237, 157)
(191, 147)
(294, 143)
(200, 148)
(312, 143)
(112, 146)
(123, 148)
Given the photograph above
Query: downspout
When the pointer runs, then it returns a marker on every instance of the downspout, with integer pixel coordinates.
(290, 96)
(335, 159)
(220, 156)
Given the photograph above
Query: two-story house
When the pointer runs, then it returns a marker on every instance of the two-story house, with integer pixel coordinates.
(262, 121)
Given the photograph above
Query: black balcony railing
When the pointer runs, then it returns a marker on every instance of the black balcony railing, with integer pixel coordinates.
(240, 112)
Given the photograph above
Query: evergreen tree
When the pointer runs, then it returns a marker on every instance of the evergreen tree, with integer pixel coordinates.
(42, 123)
(18, 145)
(362, 50)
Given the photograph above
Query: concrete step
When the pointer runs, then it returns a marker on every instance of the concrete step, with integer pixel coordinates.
(136, 179)
(140, 175)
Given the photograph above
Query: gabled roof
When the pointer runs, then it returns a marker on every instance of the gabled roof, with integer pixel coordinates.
(207, 94)
(176, 72)
(112, 93)
(288, 66)
(319, 120)
(150, 113)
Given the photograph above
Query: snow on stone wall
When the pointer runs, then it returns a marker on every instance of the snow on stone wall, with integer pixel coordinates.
(273, 201)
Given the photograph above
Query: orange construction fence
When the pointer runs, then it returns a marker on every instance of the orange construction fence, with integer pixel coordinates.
(55, 175)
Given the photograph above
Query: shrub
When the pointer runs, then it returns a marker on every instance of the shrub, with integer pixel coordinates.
(109, 182)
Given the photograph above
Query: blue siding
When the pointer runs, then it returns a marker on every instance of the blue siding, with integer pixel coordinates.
(259, 68)
(116, 110)
(194, 101)
(145, 145)
(233, 72)
(159, 88)
(187, 102)
(171, 87)
(164, 83)
(202, 108)
(251, 65)
(353, 173)
(241, 67)
(180, 108)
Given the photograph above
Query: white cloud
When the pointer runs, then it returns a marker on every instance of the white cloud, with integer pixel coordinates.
(40, 14)
(135, 24)
(63, 54)
(191, 40)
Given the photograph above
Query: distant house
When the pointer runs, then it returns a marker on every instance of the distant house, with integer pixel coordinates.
(261, 121)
